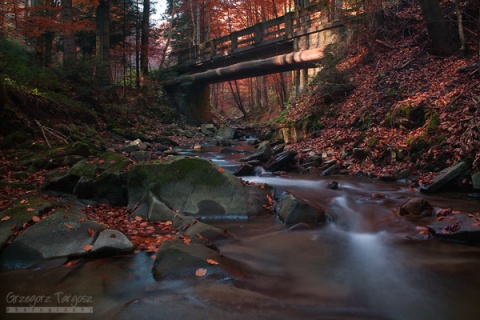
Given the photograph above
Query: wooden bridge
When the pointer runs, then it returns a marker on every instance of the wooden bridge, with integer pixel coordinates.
(294, 41)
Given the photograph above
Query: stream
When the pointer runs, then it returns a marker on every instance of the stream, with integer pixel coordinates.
(368, 264)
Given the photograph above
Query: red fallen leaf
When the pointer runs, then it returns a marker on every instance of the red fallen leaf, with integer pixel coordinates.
(23, 201)
(153, 256)
(476, 224)
(101, 161)
(221, 170)
(70, 263)
(112, 162)
(441, 218)
(13, 227)
(82, 219)
(201, 272)
(5, 218)
(168, 223)
(69, 226)
(35, 218)
(25, 225)
(113, 235)
(212, 262)
(30, 209)
(201, 237)
(87, 247)
(187, 240)
(91, 232)
(138, 218)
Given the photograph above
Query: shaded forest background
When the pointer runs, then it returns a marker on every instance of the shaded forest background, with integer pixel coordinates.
(406, 88)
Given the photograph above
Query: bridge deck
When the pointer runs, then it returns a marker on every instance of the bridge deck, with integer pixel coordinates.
(263, 40)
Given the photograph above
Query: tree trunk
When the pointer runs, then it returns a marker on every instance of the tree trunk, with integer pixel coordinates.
(103, 68)
(169, 35)
(3, 93)
(461, 34)
(145, 39)
(443, 38)
(69, 49)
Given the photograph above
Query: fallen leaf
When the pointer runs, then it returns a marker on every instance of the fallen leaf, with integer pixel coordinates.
(35, 218)
(212, 262)
(82, 219)
(70, 263)
(13, 227)
(221, 170)
(113, 235)
(168, 223)
(68, 226)
(476, 224)
(5, 218)
(23, 201)
(201, 272)
(91, 232)
(30, 209)
(87, 247)
(138, 218)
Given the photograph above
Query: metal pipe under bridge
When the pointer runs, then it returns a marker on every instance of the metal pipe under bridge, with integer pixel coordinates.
(295, 41)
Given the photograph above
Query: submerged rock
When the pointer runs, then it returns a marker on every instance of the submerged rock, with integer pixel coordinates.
(176, 260)
(459, 228)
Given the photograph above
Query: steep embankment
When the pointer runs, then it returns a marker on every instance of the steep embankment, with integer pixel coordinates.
(395, 107)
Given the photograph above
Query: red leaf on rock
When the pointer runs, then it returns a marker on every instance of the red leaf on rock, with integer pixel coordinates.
(35, 218)
(87, 247)
(212, 262)
(69, 226)
(5, 218)
(91, 232)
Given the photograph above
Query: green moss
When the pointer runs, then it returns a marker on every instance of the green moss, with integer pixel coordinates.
(433, 123)
(372, 142)
(203, 172)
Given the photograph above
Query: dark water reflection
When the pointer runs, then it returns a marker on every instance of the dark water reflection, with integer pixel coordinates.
(369, 264)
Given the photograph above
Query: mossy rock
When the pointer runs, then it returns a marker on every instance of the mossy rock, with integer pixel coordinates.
(13, 140)
(194, 186)
(20, 212)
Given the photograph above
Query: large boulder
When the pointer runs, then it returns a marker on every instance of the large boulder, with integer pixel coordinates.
(99, 178)
(21, 212)
(194, 186)
(445, 177)
(63, 234)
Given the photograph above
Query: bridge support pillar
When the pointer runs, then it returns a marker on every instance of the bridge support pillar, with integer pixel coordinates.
(192, 100)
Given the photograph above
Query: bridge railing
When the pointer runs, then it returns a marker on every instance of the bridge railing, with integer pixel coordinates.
(281, 29)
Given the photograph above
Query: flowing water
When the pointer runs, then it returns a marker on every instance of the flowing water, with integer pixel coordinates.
(368, 264)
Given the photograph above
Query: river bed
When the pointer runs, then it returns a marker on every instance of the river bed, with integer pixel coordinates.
(367, 264)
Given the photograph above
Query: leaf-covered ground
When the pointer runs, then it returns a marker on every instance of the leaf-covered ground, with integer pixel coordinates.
(415, 111)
